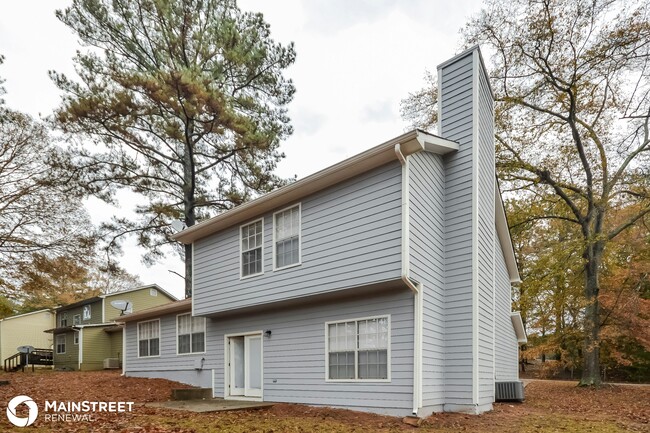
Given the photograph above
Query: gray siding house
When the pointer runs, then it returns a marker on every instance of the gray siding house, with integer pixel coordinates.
(382, 283)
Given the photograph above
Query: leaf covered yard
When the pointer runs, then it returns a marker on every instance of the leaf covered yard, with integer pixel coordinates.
(549, 407)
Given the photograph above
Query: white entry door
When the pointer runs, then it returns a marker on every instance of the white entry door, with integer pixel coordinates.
(246, 366)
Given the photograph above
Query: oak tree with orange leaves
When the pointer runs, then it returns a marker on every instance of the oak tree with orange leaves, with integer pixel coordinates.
(571, 80)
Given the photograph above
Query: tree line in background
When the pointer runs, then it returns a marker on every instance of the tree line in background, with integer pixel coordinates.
(182, 103)
(48, 246)
(571, 80)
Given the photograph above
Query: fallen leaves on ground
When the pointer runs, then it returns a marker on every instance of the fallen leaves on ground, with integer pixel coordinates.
(549, 407)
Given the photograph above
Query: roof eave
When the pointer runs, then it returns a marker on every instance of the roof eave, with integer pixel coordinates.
(411, 142)
(518, 325)
(503, 233)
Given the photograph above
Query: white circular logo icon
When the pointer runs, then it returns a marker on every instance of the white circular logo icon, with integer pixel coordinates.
(17, 420)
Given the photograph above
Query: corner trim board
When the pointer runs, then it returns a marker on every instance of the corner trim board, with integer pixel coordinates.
(475, 173)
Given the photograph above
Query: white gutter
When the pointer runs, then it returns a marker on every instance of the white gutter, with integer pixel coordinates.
(415, 287)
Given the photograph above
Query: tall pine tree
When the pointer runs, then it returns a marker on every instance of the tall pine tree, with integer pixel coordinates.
(185, 101)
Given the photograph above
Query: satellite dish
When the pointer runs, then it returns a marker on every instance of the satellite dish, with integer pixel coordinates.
(25, 349)
(120, 305)
(178, 225)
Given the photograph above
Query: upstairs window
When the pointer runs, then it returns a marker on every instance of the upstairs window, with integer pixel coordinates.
(191, 334)
(252, 237)
(286, 237)
(87, 312)
(149, 338)
(63, 321)
(76, 319)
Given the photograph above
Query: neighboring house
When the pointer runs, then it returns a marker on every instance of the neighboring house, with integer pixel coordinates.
(382, 283)
(86, 336)
(25, 330)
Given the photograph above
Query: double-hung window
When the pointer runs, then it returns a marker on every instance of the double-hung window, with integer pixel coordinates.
(358, 349)
(63, 321)
(60, 343)
(75, 340)
(191, 334)
(87, 312)
(149, 338)
(76, 319)
(286, 237)
(252, 237)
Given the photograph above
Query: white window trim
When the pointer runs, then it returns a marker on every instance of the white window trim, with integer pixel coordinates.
(388, 352)
(299, 205)
(241, 251)
(159, 338)
(90, 312)
(73, 320)
(75, 338)
(205, 326)
(56, 344)
(63, 316)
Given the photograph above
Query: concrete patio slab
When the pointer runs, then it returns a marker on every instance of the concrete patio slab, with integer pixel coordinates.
(210, 405)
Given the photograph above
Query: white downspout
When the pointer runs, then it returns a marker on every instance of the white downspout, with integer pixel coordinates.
(415, 287)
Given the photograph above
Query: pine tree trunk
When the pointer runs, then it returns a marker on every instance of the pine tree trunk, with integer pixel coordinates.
(189, 201)
(188, 271)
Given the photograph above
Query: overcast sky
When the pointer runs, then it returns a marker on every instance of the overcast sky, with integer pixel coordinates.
(356, 59)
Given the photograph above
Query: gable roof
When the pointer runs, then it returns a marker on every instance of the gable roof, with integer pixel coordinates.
(146, 286)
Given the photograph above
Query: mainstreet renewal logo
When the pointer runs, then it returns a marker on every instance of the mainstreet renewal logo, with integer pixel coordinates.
(18, 420)
(68, 411)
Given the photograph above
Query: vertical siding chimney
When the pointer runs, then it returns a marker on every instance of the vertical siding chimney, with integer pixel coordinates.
(467, 117)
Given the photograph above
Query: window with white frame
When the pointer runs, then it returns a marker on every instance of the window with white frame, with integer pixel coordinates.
(191, 333)
(76, 337)
(76, 319)
(63, 321)
(87, 312)
(286, 226)
(358, 349)
(252, 238)
(149, 338)
(60, 343)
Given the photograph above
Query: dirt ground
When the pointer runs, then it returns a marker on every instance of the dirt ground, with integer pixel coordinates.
(549, 407)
